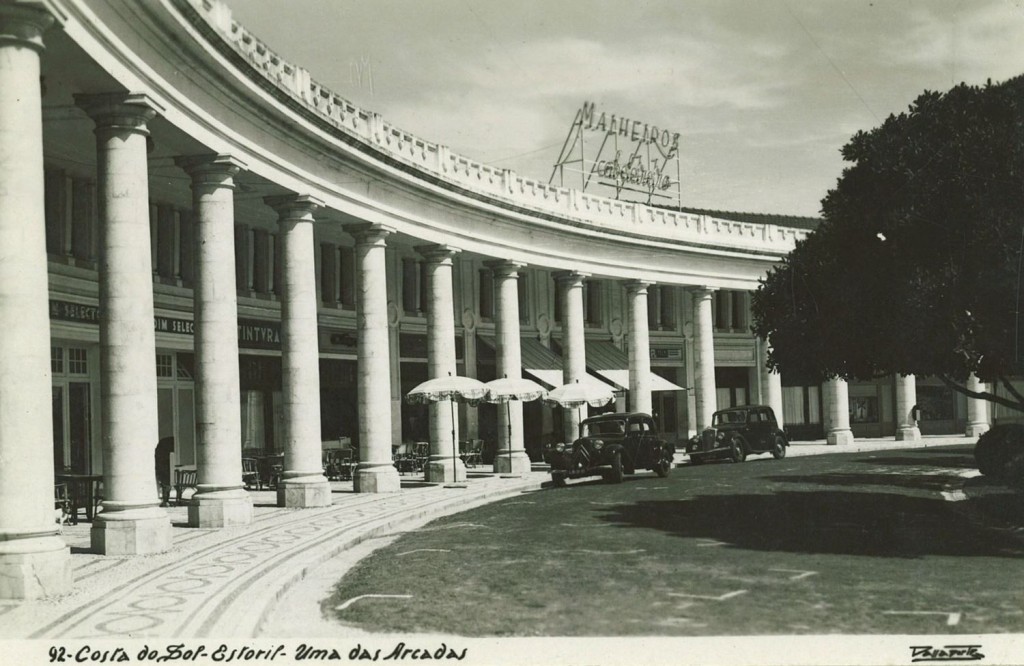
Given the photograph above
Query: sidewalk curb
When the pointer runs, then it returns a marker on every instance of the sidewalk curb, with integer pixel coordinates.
(267, 601)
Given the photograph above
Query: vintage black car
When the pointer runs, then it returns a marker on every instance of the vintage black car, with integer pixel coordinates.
(611, 445)
(737, 432)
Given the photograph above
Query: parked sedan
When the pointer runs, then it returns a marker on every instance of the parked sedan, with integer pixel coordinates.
(737, 432)
(611, 445)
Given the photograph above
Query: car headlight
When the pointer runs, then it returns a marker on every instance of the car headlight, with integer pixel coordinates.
(560, 447)
(721, 435)
(598, 445)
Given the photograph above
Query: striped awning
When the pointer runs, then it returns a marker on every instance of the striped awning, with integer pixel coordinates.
(541, 363)
(611, 363)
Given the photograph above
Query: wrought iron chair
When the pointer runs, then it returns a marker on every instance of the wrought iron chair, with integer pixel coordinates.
(472, 454)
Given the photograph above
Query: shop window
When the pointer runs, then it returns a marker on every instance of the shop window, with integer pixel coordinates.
(864, 409)
(165, 366)
(78, 363)
(57, 360)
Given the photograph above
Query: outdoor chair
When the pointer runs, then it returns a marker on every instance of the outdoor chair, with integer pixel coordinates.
(251, 474)
(472, 454)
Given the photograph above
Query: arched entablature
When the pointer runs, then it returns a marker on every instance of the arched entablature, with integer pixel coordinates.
(229, 92)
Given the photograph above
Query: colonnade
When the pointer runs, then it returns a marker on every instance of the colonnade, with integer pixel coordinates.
(34, 561)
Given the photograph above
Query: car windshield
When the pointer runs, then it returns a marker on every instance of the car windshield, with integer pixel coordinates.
(729, 417)
(615, 427)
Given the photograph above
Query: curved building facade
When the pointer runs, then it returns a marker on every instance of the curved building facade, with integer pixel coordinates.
(201, 242)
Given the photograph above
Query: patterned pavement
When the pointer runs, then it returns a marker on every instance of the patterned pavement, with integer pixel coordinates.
(225, 582)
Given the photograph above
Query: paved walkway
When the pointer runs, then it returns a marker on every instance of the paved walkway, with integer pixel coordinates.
(226, 583)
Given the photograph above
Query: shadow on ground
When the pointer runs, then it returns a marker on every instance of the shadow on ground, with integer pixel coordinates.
(932, 482)
(871, 524)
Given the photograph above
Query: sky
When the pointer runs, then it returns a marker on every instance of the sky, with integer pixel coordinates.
(764, 93)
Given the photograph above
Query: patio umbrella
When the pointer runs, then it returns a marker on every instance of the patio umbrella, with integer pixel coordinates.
(507, 389)
(576, 394)
(450, 388)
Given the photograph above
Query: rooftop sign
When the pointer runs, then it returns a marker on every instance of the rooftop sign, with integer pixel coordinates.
(631, 156)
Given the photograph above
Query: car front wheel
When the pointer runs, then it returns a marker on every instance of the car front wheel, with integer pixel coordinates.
(736, 451)
(615, 476)
(779, 448)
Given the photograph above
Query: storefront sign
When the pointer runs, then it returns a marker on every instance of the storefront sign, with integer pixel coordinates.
(252, 333)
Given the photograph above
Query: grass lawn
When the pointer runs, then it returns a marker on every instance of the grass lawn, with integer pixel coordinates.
(700, 553)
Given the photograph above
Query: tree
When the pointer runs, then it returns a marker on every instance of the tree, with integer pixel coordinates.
(916, 267)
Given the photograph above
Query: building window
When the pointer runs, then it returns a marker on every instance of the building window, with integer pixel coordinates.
(261, 261)
(57, 360)
(347, 269)
(410, 292)
(424, 297)
(556, 309)
(243, 278)
(667, 307)
(165, 366)
(486, 293)
(55, 211)
(523, 296)
(592, 290)
(739, 311)
(329, 274)
(78, 363)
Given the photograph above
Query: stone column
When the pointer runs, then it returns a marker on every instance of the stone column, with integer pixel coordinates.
(303, 483)
(639, 348)
(574, 352)
(977, 410)
(511, 456)
(444, 465)
(836, 396)
(771, 384)
(220, 500)
(376, 472)
(906, 400)
(704, 356)
(131, 522)
(34, 561)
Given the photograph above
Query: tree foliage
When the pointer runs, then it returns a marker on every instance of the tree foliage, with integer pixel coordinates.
(916, 267)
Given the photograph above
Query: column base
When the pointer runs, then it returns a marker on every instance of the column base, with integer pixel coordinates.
(977, 429)
(304, 492)
(519, 465)
(908, 434)
(131, 532)
(839, 437)
(220, 508)
(445, 471)
(34, 568)
(376, 479)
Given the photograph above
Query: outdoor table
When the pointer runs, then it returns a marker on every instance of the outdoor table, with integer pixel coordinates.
(83, 490)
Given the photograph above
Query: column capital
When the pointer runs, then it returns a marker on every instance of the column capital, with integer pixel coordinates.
(23, 25)
(438, 254)
(294, 206)
(570, 278)
(369, 233)
(120, 111)
(702, 291)
(637, 286)
(505, 267)
(211, 169)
